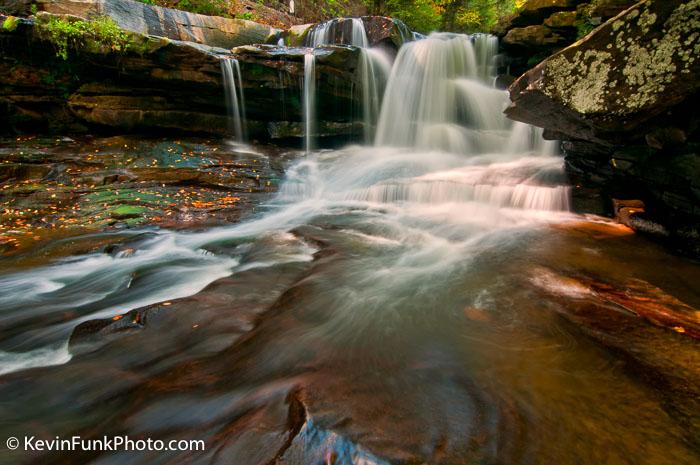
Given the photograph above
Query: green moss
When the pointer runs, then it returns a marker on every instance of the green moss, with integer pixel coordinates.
(99, 35)
(10, 23)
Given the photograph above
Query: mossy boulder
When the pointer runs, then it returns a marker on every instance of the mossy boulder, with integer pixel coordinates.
(629, 70)
(561, 20)
(533, 37)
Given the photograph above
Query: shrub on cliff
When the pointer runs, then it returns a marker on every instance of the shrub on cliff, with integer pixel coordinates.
(73, 33)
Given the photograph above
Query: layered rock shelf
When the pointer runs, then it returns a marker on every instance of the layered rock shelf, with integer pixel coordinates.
(167, 85)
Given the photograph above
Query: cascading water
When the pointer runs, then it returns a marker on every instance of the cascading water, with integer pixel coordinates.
(440, 97)
(235, 102)
(389, 298)
(338, 31)
(309, 92)
(374, 69)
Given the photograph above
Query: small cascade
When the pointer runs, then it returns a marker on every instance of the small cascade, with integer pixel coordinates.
(486, 47)
(309, 94)
(374, 69)
(440, 96)
(338, 31)
(235, 102)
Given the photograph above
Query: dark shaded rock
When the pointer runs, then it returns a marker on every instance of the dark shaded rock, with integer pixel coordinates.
(165, 85)
(606, 9)
(533, 37)
(666, 138)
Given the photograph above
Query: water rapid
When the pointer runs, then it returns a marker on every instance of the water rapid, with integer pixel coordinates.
(393, 302)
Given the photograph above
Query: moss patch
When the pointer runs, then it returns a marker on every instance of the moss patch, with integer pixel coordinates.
(10, 23)
(98, 35)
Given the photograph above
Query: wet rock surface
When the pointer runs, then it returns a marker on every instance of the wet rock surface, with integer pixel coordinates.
(239, 366)
(63, 187)
(391, 33)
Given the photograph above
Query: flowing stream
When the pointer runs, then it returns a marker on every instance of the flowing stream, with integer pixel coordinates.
(405, 292)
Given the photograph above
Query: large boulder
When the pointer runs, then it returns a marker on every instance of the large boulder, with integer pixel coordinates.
(535, 11)
(533, 37)
(631, 69)
(624, 99)
(163, 22)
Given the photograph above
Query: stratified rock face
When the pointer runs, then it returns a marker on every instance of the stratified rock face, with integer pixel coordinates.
(534, 11)
(543, 27)
(624, 99)
(629, 70)
(166, 85)
(164, 22)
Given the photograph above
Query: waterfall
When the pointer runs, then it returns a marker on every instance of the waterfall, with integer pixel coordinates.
(338, 31)
(374, 69)
(235, 102)
(440, 96)
(309, 99)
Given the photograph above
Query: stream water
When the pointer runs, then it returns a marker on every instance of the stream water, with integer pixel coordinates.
(412, 301)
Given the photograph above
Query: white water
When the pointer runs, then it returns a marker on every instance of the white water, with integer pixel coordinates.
(235, 102)
(338, 31)
(447, 178)
(309, 92)
(374, 69)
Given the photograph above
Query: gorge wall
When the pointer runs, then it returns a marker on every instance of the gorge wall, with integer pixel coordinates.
(543, 27)
(164, 74)
(623, 102)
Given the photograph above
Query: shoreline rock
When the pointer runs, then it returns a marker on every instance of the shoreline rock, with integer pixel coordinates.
(623, 101)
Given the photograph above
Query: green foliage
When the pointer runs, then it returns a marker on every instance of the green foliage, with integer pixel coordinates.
(10, 23)
(34, 9)
(448, 15)
(247, 15)
(205, 7)
(419, 15)
(584, 22)
(66, 34)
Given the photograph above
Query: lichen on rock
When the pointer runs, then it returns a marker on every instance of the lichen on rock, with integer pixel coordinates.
(582, 82)
(629, 72)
